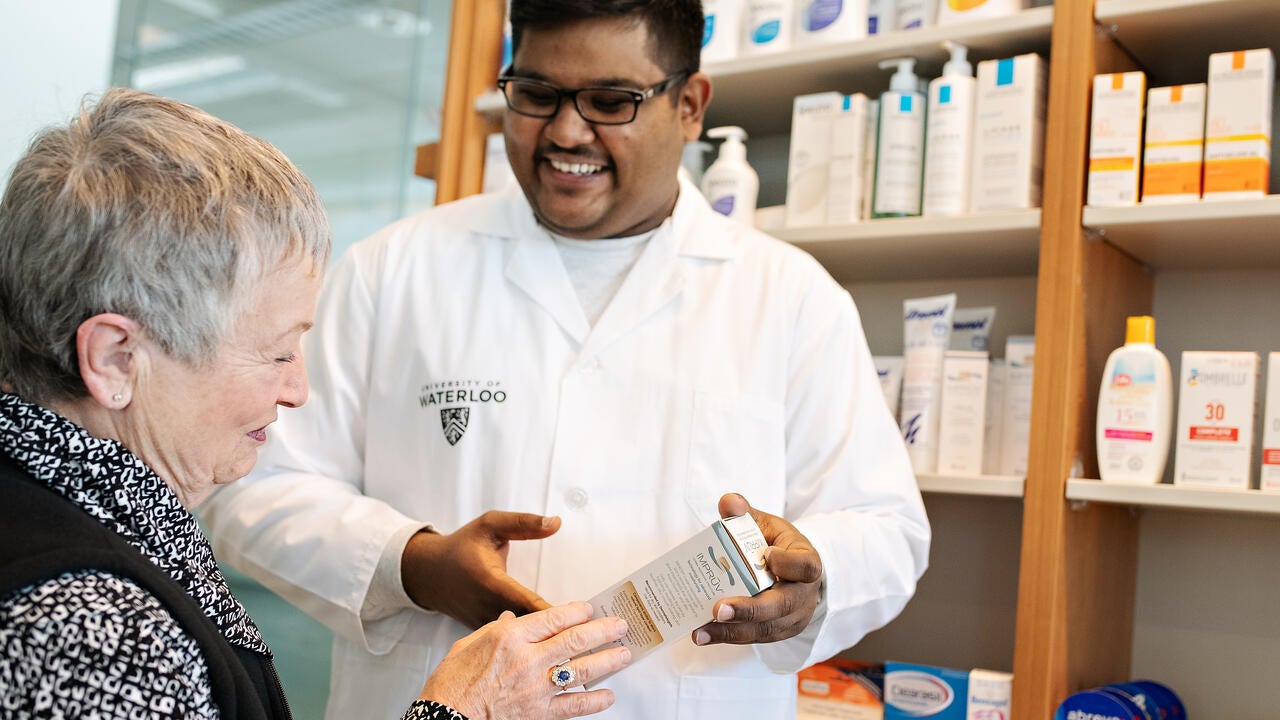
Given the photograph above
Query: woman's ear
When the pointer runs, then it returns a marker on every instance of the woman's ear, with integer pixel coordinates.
(108, 347)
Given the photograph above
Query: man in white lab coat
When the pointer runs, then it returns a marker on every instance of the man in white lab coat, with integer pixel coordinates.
(601, 357)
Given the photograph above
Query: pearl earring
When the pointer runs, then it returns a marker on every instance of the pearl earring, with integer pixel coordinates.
(117, 397)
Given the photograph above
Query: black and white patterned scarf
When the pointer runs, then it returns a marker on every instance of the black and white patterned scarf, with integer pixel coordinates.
(114, 486)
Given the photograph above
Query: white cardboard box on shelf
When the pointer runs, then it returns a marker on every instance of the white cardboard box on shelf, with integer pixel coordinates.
(1269, 477)
(1115, 138)
(1008, 134)
(1216, 413)
(1237, 142)
(809, 163)
(964, 412)
(1173, 159)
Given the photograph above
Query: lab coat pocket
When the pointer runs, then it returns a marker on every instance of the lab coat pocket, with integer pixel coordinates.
(737, 444)
(736, 697)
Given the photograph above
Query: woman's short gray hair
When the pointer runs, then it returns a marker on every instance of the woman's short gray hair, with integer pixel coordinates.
(149, 208)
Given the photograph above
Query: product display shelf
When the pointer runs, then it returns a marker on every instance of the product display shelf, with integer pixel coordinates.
(1172, 39)
(1215, 235)
(998, 244)
(1180, 497)
(756, 91)
(1009, 486)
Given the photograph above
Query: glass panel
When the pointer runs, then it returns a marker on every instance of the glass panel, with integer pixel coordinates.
(347, 89)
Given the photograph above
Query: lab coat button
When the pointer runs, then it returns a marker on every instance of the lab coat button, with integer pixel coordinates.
(575, 498)
(589, 366)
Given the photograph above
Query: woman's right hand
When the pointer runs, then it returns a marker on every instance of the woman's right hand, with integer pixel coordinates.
(503, 670)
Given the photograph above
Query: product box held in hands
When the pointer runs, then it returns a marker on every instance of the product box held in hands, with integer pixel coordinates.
(666, 600)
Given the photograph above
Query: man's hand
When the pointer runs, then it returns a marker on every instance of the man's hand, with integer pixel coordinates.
(785, 609)
(464, 574)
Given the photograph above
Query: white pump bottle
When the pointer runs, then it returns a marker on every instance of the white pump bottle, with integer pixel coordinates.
(899, 144)
(948, 147)
(730, 185)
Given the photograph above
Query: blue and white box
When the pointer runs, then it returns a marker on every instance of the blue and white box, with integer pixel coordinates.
(912, 692)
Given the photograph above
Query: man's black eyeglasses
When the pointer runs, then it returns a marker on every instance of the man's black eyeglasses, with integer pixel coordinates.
(598, 105)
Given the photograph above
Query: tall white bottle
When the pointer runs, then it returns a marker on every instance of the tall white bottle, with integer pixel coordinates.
(1135, 408)
(899, 144)
(730, 185)
(948, 146)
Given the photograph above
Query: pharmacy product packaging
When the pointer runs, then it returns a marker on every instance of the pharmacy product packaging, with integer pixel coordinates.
(869, 157)
(809, 164)
(845, 193)
(1173, 161)
(880, 16)
(1115, 139)
(1237, 143)
(948, 145)
(990, 695)
(768, 26)
(971, 328)
(1098, 705)
(1216, 413)
(993, 432)
(926, 334)
(962, 420)
(1008, 134)
(889, 370)
(840, 689)
(915, 14)
(1269, 478)
(916, 692)
(721, 30)
(666, 600)
(956, 11)
(1015, 426)
(831, 21)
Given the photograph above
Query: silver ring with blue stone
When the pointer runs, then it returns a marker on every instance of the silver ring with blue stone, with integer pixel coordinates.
(563, 675)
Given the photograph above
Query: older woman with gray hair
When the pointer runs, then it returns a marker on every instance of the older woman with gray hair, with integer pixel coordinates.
(158, 268)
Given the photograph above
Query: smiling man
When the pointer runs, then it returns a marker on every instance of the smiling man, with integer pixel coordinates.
(597, 362)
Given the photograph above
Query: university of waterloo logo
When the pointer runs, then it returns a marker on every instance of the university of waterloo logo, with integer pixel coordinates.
(457, 398)
(454, 422)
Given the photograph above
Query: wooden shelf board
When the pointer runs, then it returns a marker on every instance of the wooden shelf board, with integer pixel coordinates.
(1178, 497)
(985, 245)
(986, 485)
(851, 67)
(1172, 39)
(1215, 235)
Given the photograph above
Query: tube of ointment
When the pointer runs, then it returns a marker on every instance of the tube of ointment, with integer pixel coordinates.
(889, 371)
(971, 329)
(926, 335)
(666, 600)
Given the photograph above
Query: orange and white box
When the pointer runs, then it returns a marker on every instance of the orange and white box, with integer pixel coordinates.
(1270, 475)
(1237, 142)
(840, 689)
(1173, 161)
(1216, 413)
(1115, 138)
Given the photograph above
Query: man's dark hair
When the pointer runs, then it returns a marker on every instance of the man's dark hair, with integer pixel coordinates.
(675, 26)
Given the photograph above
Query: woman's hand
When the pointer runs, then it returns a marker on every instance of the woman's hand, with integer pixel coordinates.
(503, 670)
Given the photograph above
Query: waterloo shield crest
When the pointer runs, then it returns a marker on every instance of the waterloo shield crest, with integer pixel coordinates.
(454, 422)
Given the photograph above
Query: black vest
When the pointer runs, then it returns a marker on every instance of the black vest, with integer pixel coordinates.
(43, 535)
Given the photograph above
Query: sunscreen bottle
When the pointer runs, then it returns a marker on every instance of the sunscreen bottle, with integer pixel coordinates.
(899, 144)
(1135, 408)
(948, 147)
(730, 185)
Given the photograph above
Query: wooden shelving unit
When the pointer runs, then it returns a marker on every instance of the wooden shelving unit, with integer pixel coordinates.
(1175, 497)
(1214, 235)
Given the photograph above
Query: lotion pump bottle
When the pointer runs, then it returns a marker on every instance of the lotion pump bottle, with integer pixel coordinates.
(730, 185)
(899, 144)
(948, 147)
(1135, 408)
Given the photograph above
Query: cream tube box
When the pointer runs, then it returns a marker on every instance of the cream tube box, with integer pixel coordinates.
(721, 30)
(1216, 412)
(1237, 136)
(1008, 134)
(990, 695)
(666, 600)
(889, 372)
(993, 432)
(926, 332)
(848, 145)
(1173, 161)
(963, 416)
(971, 328)
(1015, 427)
(809, 163)
(831, 21)
(1270, 475)
(1115, 138)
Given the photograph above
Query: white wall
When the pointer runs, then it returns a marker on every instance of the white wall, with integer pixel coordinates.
(52, 52)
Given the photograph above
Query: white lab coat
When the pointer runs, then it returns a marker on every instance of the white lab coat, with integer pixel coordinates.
(727, 361)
